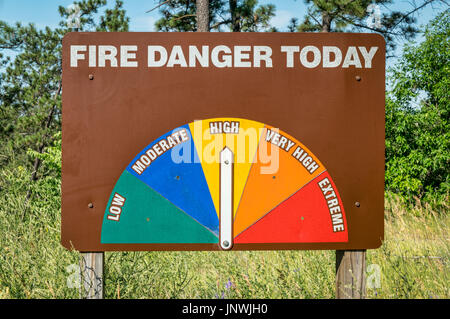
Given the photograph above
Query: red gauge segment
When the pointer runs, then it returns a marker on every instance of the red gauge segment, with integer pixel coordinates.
(315, 213)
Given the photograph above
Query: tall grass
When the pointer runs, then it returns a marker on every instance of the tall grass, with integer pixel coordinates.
(413, 262)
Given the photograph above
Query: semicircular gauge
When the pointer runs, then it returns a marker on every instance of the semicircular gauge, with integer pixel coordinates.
(224, 181)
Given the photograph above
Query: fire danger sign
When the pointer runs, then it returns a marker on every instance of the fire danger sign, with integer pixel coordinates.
(231, 141)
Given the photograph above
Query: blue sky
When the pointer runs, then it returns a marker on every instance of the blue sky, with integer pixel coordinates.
(44, 12)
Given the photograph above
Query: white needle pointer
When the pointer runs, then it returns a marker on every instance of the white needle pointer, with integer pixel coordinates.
(226, 198)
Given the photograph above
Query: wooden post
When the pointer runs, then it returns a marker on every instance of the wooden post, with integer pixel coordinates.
(91, 266)
(350, 274)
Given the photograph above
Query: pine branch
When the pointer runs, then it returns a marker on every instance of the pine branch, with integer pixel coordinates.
(159, 5)
(184, 16)
(413, 11)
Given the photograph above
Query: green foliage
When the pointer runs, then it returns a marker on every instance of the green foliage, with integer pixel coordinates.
(417, 117)
(350, 16)
(179, 15)
(254, 18)
(413, 261)
(243, 15)
(29, 93)
(340, 13)
(8, 37)
(30, 83)
(88, 10)
(51, 158)
(114, 20)
(32, 261)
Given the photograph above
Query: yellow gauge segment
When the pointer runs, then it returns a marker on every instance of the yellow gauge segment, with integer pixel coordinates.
(241, 137)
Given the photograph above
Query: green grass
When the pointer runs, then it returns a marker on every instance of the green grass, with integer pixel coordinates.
(414, 259)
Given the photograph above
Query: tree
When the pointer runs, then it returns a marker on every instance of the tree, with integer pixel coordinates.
(247, 16)
(234, 15)
(417, 117)
(202, 13)
(30, 85)
(356, 16)
(112, 20)
(30, 90)
(180, 15)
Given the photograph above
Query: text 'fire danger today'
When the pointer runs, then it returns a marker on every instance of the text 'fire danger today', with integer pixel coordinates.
(221, 56)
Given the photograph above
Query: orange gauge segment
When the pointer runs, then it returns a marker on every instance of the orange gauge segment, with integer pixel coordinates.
(283, 166)
(313, 214)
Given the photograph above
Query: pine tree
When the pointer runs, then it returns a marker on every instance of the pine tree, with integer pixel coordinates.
(30, 84)
(355, 16)
(232, 15)
(112, 20)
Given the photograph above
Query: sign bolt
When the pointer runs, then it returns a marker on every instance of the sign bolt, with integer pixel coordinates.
(91, 76)
(357, 204)
(90, 205)
(358, 78)
(225, 243)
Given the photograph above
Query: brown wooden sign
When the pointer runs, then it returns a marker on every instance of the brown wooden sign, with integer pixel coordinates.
(219, 141)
